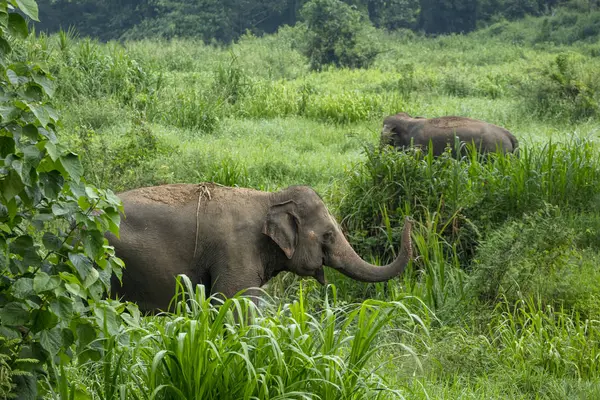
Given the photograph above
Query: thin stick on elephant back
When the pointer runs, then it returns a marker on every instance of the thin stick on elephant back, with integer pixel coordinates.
(230, 239)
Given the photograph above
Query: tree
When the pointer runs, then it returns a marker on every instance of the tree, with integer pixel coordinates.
(394, 14)
(448, 16)
(336, 34)
(54, 261)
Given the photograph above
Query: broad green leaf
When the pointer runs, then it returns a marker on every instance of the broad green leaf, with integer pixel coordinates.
(72, 165)
(51, 183)
(93, 242)
(77, 188)
(33, 93)
(68, 337)
(84, 203)
(11, 185)
(17, 25)
(91, 278)
(51, 241)
(31, 131)
(91, 192)
(47, 165)
(85, 335)
(51, 340)
(32, 155)
(14, 314)
(94, 286)
(40, 113)
(82, 264)
(114, 200)
(53, 151)
(22, 288)
(114, 219)
(9, 113)
(62, 208)
(49, 133)
(43, 320)
(4, 47)
(15, 78)
(46, 84)
(107, 319)
(7, 146)
(52, 113)
(116, 265)
(42, 282)
(75, 289)
(21, 245)
(23, 171)
(104, 275)
(63, 307)
(29, 8)
(11, 206)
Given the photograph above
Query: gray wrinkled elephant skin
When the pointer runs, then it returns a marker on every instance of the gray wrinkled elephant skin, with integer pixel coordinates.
(402, 130)
(231, 239)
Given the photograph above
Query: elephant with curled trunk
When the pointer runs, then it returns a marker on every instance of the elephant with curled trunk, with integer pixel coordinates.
(231, 239)
(402, 131)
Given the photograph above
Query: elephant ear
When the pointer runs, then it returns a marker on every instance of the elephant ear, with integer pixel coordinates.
(281, 225)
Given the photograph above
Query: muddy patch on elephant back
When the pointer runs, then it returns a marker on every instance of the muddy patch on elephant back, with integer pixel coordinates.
(449, 122)
(183, 193)
(177, 193)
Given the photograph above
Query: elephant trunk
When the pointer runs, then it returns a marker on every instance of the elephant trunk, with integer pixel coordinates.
(386, 135)
(344, 259)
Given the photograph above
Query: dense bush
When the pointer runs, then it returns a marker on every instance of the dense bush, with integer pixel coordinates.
(564, 89)
(471, 196)
(239, 351)
(336, 34)
(55, 263)
(545, 256)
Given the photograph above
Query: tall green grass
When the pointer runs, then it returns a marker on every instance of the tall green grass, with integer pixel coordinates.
(471, 195)
(231, 349)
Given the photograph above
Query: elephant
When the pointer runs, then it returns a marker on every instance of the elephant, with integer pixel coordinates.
(402, 130)
(230, 239)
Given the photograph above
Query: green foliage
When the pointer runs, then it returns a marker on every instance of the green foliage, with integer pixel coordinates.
(336, 34)
(569, 346)
(472, 196)
(394, 14)
(235, 351)
(565, 89)
(449, 16)
(125, 163)
(270, 122)
(544, 256)
(55, 262)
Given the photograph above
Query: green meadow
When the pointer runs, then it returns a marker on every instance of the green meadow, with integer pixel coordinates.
(502, 300)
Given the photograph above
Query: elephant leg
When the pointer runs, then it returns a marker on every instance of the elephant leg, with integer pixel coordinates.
(222, 288)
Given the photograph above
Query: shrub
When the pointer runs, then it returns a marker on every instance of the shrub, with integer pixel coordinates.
(125, 162)
(543, 256)
(472, 196)
(337, 34)
(55, 263)
(565, 89)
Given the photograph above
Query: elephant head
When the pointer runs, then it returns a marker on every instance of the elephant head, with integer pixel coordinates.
(396, 130)
(309, 237)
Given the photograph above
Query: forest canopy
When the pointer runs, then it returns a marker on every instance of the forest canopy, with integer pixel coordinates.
(224, 21)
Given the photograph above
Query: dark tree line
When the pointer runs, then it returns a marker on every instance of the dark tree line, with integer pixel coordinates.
(225, 20)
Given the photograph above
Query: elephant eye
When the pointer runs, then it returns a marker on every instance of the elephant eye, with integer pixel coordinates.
(328, 237)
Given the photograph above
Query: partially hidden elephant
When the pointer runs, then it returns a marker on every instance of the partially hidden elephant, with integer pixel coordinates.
(402, 131)
(231, 239)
